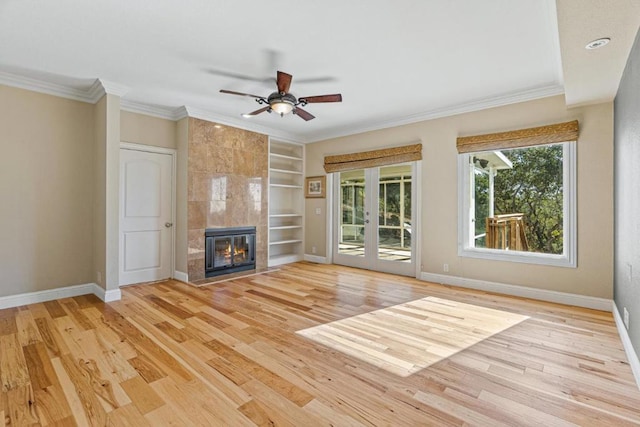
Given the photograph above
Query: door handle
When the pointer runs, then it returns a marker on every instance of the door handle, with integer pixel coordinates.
(168, 224)
(366, 221)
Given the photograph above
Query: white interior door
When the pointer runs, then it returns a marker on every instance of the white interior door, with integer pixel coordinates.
(146, 223)
(375, 226)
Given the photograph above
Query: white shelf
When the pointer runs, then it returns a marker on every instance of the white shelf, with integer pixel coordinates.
(284, 156)
(286, 186)
(285, 227)
(286, 171)
(286, 222)
(285, 242)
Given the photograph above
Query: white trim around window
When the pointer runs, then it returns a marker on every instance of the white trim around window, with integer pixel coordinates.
(567, 259)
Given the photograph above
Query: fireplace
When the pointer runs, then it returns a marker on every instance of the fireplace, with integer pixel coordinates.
(228, 250)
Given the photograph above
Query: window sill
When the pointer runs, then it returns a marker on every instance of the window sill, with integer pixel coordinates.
(521, 257)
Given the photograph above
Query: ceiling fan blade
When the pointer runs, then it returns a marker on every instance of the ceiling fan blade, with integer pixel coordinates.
(233, 75)
(321, 98)
(326, 79)
(304, 114)
(231, 92)
(255, 113)
(284, 82)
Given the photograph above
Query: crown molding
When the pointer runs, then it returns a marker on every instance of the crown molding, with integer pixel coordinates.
(101, 87)
(482, 104)
(241, 124)
(181, 112)
(41, 86)
(161, 112)
(92, 94)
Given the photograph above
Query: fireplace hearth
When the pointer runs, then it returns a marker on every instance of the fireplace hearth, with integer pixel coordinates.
(229, 250)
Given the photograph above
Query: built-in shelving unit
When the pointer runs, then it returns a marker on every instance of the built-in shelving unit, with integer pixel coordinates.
(286, 202)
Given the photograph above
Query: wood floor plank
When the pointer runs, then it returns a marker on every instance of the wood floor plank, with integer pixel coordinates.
(70, 391)
(50, 337)
(41, 371)
(8, 326)
(55, 309)
(52, 406)
(21, 407)
(146, 368)
(13, 367)
(27, 329)
(127, 416)
(391, 351)
(142, 396)
(94, 412)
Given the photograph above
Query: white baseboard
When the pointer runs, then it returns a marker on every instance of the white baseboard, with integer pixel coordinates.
(107, 296)
(315, 258)
(179, 275)
(53, 294)
(521, 291)
(632, 356)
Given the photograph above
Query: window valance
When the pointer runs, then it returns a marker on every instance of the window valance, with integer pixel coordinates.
(561, 132)
(374, 158)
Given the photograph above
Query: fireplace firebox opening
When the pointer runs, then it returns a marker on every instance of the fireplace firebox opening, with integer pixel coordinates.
(229, 250)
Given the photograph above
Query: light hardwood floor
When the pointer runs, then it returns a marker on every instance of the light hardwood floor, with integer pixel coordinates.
(229, 355)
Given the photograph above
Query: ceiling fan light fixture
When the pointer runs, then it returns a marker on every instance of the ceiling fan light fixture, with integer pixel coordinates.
(281, 107)
(282, 103)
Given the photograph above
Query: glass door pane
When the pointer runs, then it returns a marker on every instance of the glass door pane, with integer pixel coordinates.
(222, 252)
(394, 213)
(351, 235)
(240, 250)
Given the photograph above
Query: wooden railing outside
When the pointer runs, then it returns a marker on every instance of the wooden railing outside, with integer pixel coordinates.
(506, 232)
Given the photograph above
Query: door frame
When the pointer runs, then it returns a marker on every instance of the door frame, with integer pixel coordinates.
(333, 217)
(173, 153)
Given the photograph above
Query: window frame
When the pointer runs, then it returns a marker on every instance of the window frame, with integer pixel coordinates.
(569, 256)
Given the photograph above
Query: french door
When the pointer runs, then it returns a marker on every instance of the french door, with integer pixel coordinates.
(375, 222)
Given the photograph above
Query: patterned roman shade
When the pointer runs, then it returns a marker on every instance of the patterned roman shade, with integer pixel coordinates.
(375, 158)
(561, 132)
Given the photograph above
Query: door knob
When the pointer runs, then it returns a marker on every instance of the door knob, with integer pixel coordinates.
(168, 224)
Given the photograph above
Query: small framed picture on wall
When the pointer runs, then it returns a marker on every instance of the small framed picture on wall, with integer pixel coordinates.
(314, 186)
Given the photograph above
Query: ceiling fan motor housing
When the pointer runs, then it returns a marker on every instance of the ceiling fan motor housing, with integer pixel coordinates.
(278, 97)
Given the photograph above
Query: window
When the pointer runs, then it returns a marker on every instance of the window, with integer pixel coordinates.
(518, 204)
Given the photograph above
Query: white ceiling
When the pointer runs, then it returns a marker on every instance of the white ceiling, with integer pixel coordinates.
(394, 62)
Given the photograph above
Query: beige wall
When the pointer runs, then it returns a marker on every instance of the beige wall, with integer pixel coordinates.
(147, 130)
(439, 193)
(46, 188)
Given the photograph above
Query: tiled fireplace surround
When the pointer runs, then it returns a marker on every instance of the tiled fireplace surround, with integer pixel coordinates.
(227, 187)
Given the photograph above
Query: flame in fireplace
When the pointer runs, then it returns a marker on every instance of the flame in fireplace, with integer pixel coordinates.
(237, 251)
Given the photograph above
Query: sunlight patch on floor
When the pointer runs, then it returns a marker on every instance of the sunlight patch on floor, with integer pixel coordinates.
(409, 337)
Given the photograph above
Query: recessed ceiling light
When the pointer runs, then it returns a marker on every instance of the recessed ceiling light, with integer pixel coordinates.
(598, 43)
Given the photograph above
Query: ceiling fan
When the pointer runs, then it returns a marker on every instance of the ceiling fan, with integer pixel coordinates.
(283, 102)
